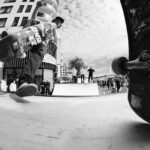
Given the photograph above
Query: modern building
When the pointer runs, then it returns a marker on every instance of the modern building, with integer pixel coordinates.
(64, 70)
(13, 16)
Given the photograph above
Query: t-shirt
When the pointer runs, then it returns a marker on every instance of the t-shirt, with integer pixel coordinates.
(91, 71)
(83, 71)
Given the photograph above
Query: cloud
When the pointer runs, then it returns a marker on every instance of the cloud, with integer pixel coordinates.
(93, 30)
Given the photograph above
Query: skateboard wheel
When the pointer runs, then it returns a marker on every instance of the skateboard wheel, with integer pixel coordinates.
(118, 66)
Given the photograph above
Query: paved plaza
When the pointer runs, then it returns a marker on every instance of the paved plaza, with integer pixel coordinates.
(71, 123)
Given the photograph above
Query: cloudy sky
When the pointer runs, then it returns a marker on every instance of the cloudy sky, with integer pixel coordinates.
(94, 30)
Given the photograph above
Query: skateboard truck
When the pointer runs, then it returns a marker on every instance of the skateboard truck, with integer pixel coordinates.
(121, 65)
(141, 63)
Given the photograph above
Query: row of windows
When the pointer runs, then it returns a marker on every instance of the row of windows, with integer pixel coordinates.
(15, 22)
(7, 9)
(28, 9)
(11, 1)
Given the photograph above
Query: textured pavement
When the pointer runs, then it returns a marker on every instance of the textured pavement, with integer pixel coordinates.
(71, 123)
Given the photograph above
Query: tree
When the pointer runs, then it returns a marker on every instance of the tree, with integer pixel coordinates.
(77, 63)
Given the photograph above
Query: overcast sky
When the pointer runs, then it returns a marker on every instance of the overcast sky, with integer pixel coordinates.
(94, 30)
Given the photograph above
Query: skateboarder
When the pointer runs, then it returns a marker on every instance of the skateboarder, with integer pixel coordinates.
(91, 71)
(26, 87)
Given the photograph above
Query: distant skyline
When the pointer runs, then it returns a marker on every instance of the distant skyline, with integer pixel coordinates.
(94, 30)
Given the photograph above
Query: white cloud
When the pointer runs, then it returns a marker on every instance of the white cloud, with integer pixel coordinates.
(93, 29)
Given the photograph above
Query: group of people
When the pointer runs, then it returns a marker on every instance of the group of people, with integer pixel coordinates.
(12, 87)
(45, 88)
(114, 85)
(26, 86)
(83, 74)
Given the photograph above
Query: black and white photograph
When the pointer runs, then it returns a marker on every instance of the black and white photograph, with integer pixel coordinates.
(74, 74)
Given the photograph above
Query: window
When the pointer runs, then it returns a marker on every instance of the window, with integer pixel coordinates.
(24, 21)
(28, 9)
(24, 0)
(9, 1)
(57, 1)
(40, 14)
(20, 9)
(31, 0)
(15, 22)
(5, 10)
(2, 22)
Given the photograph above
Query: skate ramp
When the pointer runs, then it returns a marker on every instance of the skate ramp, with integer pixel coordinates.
(89, 89)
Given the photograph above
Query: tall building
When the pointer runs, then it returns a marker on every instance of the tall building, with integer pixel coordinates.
(64, 70)
(13, 16)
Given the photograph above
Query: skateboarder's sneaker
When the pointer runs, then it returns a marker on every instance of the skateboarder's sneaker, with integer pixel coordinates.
(27, 89)
(20, 54)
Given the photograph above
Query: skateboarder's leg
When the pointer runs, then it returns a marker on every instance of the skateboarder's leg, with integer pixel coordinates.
(36, 56)
(34, 61)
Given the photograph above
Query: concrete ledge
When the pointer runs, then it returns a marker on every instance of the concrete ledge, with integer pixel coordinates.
(89, 89)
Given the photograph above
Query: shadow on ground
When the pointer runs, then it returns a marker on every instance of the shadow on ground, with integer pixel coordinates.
(18, 99)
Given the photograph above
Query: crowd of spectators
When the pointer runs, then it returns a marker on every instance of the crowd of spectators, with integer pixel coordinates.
(114, 84)
(44, 87)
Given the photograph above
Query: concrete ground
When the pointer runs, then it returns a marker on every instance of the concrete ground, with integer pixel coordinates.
(71, 123)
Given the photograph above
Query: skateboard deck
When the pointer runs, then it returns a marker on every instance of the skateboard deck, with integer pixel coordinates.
(14, 44)
(137, 17)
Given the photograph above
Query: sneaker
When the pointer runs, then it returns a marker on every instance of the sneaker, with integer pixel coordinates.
(27, 89)
(20, 54)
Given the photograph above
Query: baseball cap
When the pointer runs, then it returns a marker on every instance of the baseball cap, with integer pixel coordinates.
(58, 18)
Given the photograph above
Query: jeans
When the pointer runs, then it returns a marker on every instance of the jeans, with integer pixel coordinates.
(90, 78)
(36, 55)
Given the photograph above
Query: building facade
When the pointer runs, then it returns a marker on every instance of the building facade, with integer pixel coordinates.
(13, 16)
(64, 70)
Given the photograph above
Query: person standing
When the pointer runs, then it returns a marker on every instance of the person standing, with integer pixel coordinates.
(74, 75)
(117, 84)
(42, 87)
(83, 73)
(90, 77)
(4, 85)
(13, 86)
(47, 84)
